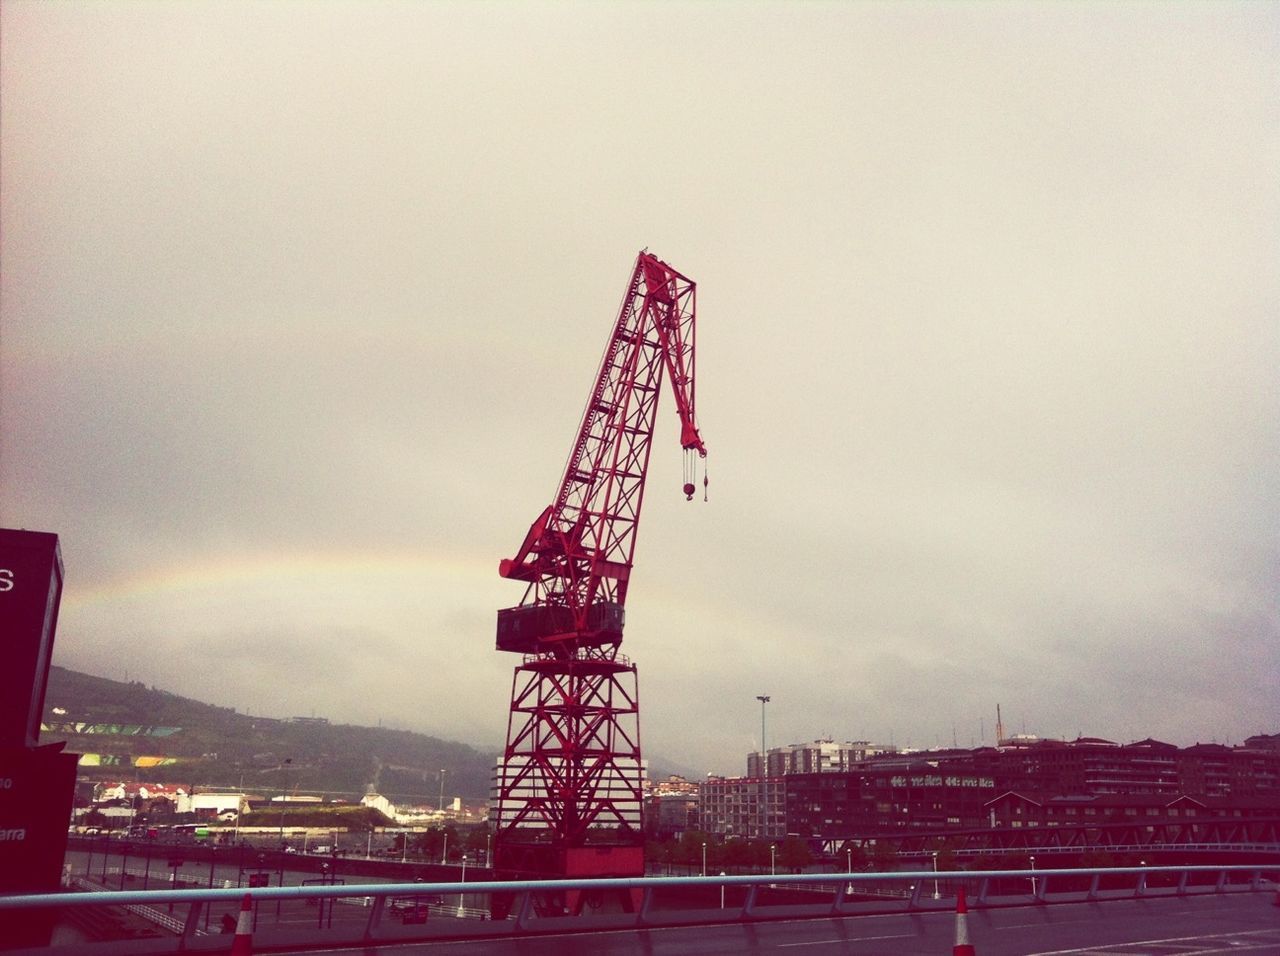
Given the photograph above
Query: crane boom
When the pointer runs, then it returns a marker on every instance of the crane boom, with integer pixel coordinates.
(578, 553)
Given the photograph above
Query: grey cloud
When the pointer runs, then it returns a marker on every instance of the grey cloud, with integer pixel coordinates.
(987, 349)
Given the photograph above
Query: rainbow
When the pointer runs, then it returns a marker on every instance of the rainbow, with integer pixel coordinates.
(308, 570)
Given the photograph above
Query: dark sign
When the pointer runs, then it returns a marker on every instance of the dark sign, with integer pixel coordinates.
(36, 783)
(35, 805)
(30, 591)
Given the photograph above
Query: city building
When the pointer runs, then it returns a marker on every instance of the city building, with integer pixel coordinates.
(830, 792)
(380, 803)
(818, 756)
(1014, 809)
(207, 806)
(892, 795)
(731, 807)
(671, 807)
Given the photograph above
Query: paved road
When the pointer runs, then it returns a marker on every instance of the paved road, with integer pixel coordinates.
(103, 872)
(1246, 923)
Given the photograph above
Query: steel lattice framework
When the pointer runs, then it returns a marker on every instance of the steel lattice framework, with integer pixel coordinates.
(571, 770)
(587, 710)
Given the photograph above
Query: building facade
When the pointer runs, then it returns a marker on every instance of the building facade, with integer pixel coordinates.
(732, 807)
(820, 791)
(671, 807)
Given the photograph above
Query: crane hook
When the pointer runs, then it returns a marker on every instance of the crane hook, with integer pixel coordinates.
(690, 473)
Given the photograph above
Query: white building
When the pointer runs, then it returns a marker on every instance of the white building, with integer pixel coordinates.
(819, 756)
(380, 803)
(214, 804)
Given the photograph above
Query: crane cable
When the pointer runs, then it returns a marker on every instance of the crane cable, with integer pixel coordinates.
(690, 474)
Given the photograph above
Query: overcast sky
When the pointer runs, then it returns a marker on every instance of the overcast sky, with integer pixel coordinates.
(301, 304)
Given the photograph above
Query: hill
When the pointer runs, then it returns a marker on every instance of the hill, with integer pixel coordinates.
(133, 732)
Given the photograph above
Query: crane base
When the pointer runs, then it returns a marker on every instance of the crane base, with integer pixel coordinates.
(542, 862)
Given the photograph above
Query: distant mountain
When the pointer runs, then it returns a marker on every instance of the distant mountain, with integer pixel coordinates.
(128, 731)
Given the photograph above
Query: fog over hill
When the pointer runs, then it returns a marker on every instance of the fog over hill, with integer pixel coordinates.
(131, 731)
(148, 734)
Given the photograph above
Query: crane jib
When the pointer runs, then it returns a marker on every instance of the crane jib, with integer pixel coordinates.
(578, 553)
(657, 279)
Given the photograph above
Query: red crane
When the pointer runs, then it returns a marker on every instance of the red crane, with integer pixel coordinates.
(568, 790)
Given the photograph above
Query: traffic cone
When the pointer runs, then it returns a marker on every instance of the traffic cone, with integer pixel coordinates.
(962, 947)
(242, 945)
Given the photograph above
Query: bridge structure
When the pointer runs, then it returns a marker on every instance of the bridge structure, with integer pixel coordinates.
(1215, 836)
(364, 914)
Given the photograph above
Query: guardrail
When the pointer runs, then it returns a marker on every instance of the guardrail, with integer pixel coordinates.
(149, 913)
(389, 912)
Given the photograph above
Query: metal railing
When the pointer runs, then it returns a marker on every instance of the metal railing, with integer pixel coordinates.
(387, 912)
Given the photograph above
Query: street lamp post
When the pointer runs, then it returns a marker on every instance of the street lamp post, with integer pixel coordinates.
(461, 911)
(773, 856)
(327, 877)
(764, 769)
(704, 858)
(764, 699)
(213, 854)
(280, 877)
(1033, 875)
(176, 864)
(287, 765)
(936, 895)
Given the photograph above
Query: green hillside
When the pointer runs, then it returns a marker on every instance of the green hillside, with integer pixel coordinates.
(132, 727)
